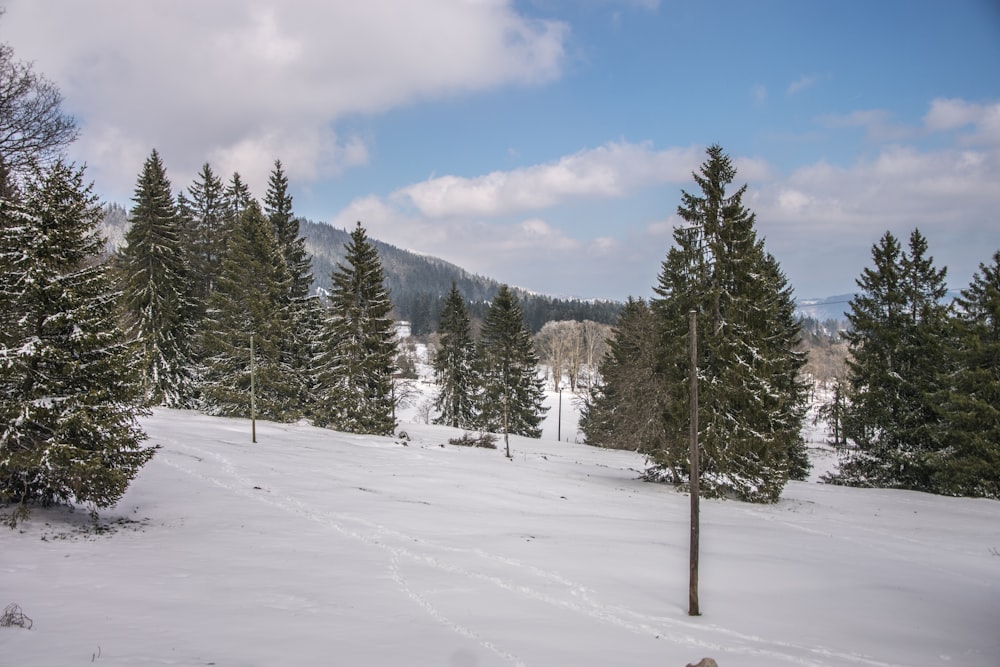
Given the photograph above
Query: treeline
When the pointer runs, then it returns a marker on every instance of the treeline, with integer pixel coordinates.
(491, 382)
(914, 377)
(417, 284)
(919, 406)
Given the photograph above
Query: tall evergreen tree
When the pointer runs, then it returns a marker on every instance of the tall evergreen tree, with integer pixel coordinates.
(278, 207)
(237, 198)
(70, 390)
(751, 400)
(970, 463)
(512, 389)
(251, 299)
(157, 292)
(302, 342)
(898, 339)
(625, 409)
(355, 380)
(454, 365)
(204, 213)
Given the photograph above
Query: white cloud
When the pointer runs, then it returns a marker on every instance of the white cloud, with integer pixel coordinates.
(953, 114)
(877, 123)
(821, 220)
(611, 170)
(235, 79)
(948, 114)
(802, 83)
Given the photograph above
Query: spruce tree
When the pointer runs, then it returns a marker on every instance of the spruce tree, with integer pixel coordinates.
(751, 400)
(355, 379)
(157, 292)
(898, 339)
(251, 299)
(278, 208)
(204, 213)
(969, 463)
(512, 391)
(70, 390)
(625, 409)
(237, 198)
(301, 344)
(454, 365)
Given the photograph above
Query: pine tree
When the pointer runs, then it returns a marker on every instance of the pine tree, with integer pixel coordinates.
(156, 286)
(70, 390)
(302, 343)
(454, 365)
(751, 400)
(512, 390)
(204, 213)
(355, 379)
(278, 208)
(237, 198)
(251, 299)
(969, 464)
(625, 409)
(898, 338)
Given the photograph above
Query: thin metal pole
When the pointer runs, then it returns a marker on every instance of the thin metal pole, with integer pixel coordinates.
(253, 396)
(693, 609)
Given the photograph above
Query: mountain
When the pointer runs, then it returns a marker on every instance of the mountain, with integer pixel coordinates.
(419, 284)
(835, 308)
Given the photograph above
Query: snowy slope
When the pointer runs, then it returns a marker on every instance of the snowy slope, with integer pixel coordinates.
(318, 548)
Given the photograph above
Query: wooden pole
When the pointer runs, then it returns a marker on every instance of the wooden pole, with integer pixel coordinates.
(693, 609)
(559, 422)
(506, 424)
(253, 396)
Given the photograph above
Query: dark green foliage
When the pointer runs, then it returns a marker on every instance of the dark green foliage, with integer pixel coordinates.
(251, 298)
(454, 366)
(355, 374)
(751, 401)
(969, 462)
(483, 441)
(301, 342)
(204, 219)
(278, 208)
(626, 409)
(157, 289)
(70, 390)
(512, 392)
(237, 198)
(898, 341)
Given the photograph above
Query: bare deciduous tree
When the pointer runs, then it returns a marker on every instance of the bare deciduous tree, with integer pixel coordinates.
(595, 345)
(33, 128)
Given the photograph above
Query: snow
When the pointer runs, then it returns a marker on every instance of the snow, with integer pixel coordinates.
(313, 547)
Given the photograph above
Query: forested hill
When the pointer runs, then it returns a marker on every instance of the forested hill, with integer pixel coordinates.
(418, 283)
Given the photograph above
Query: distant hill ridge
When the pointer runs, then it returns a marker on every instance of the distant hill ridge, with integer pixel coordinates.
(419, 284)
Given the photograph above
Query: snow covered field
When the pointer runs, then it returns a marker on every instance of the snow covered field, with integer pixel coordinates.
(318, 548)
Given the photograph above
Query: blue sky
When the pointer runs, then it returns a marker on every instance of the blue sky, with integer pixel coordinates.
(545, 143)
